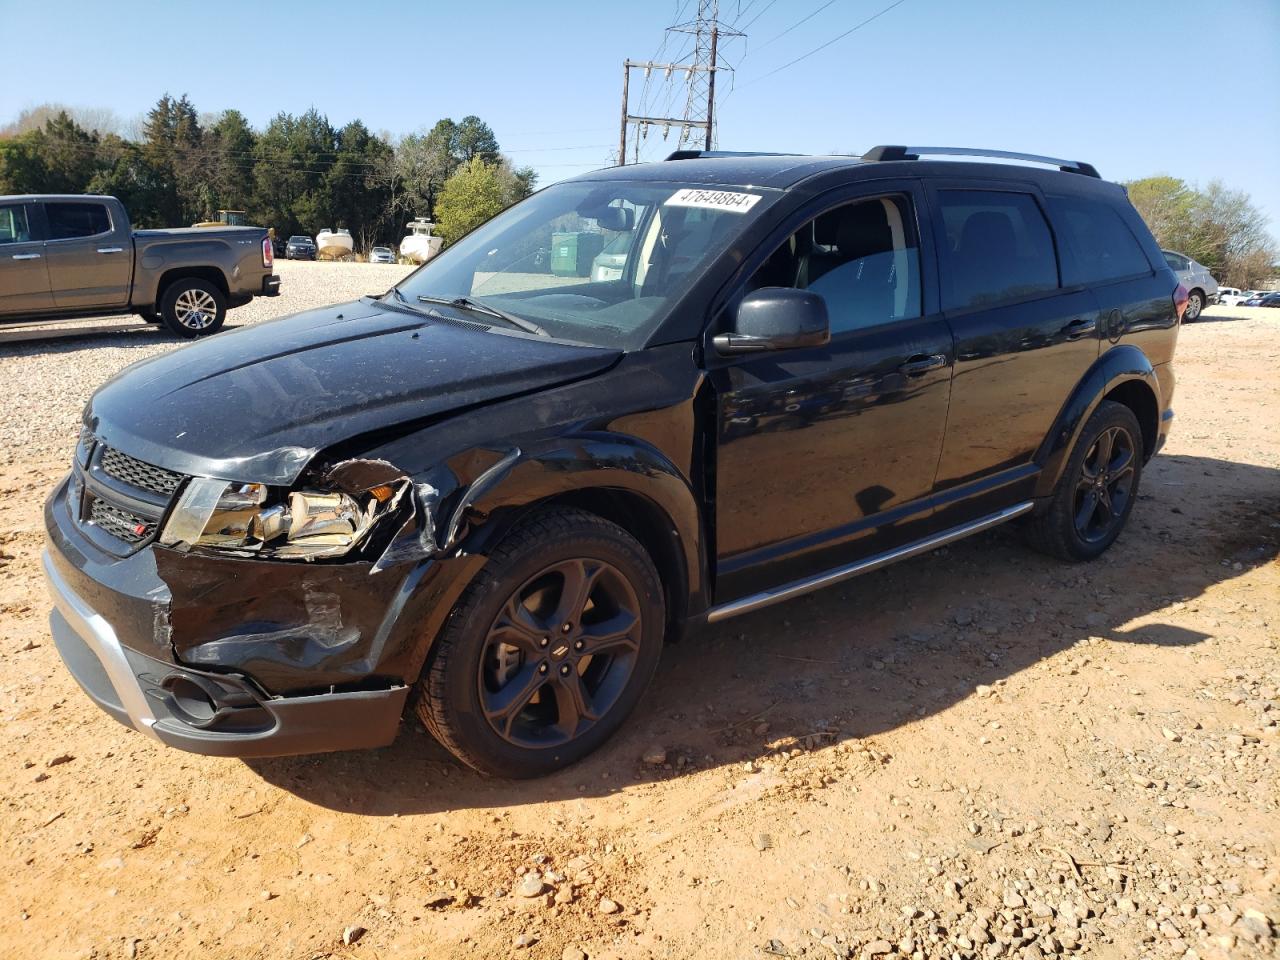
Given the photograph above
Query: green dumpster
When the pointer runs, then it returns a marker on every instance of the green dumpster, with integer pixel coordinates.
(572, 253)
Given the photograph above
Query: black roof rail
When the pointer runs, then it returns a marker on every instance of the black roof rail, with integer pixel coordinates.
(915, 153)
(699, 154)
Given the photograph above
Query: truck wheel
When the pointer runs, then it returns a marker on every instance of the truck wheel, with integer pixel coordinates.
(1097, 490)
(548, 650)
(193, 308)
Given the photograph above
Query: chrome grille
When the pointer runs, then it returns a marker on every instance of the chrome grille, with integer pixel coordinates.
(122, 467)
(121, 524)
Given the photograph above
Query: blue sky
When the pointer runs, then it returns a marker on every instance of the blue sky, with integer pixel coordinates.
(1134, 86)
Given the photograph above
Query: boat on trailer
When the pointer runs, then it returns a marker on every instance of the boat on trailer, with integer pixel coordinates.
(420, 245)
(334, 244)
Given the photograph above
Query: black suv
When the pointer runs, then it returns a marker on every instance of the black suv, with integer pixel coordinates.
(300, 248)
(496, 489)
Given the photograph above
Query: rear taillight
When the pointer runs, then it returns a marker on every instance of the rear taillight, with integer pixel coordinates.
(269, 255)
(1180, 297)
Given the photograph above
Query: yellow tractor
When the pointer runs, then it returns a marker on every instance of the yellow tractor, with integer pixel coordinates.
(226, 218)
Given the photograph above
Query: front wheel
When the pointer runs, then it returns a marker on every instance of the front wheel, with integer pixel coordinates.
(192, 307)
(548, 650)
(1097, 490)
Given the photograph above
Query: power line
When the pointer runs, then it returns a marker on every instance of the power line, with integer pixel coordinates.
(853, 29)
(799, 22)
(757, 16)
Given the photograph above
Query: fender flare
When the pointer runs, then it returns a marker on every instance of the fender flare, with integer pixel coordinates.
(578, 464)
(1121, 364)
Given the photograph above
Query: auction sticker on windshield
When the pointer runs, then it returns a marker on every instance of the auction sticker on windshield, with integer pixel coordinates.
(714, 200)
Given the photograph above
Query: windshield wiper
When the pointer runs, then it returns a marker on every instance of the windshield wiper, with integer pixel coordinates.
(479, 306)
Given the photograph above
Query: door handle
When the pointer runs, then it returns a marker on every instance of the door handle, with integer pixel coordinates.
(111, 249)
(922, 364)
(1081, 327)
(26, 256)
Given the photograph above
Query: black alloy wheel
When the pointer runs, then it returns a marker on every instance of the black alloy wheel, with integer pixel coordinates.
(548, 649)
(1096, 490)
(1105, 484)
(560, 653)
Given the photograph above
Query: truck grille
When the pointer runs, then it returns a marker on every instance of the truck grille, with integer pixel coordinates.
(122, 467)
(120, 523)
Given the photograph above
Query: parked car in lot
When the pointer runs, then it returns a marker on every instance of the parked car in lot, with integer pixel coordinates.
(1202, 289)
(502, 490)
(382, 255)
(67, 256)
(300, 248)
(1232, 297)
(1263, 300)
(612, 259)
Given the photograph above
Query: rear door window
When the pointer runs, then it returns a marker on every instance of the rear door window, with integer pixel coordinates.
(69, 221)
(1101, 244)
(1177, 262)
(997, 247)
(13, 224)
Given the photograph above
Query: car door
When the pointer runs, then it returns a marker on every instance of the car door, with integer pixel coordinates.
(826, 455)
(90, 257)
(1022, 341)
(24, 275)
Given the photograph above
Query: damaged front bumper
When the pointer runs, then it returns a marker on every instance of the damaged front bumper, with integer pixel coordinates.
(213, 714)
(242, 656)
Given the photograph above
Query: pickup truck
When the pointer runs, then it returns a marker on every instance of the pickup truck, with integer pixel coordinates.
(63, 257)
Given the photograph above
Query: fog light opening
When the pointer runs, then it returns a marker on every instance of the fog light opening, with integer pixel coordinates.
(191, 700)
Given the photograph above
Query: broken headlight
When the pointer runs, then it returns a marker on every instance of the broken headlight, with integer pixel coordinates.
(302, 524)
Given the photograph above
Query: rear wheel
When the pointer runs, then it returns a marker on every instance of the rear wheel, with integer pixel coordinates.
(1195, 305)
(1097, 490)
(549, 650)
(192, 307)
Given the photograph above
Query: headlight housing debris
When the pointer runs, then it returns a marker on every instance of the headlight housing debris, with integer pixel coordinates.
(305, 524)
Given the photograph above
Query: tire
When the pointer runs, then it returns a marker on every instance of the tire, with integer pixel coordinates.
(192, 307)
(1195, 306)
(509, 709)
(1057, 529)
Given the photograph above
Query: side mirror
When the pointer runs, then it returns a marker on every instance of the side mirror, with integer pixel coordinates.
(776, 318)
(620, 219)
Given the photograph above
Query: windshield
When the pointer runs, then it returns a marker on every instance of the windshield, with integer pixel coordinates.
(538, 260)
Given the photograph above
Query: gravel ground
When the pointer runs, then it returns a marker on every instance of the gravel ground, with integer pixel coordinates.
(49, 372)
(981, 754)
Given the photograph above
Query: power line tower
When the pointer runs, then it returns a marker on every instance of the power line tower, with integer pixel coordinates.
(698, 121)
(699, 108)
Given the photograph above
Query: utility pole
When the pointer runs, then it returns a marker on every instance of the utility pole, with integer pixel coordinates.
(698, 121)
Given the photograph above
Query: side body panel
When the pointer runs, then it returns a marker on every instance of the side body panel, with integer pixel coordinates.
(1015, 363)
(24, 270)
(92, 272)
(234, 252)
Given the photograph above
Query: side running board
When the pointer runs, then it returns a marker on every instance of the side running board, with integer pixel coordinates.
(765, 598)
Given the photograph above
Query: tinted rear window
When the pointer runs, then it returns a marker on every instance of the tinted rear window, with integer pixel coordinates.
(1101, 243)
(70, 220)
(997, 248)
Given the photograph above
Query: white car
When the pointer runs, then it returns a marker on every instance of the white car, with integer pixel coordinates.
(1233, 297)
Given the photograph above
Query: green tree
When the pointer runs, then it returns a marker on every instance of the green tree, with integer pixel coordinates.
(1217, 226)
(474, 194)
(59, 158)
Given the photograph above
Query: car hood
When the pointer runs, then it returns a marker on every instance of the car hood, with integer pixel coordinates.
(256, 404)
